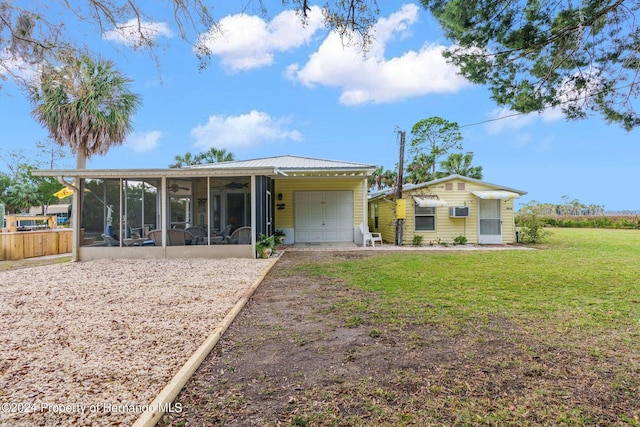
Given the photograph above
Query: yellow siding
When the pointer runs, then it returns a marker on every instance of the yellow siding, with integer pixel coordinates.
(284, 218)
(446, 228)
(386, 220)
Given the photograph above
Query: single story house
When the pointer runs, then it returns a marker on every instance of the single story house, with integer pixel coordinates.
(311, 200)
(60, 210)
(443, 209)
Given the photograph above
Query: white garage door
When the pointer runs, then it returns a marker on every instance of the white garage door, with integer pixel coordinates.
(324, 216)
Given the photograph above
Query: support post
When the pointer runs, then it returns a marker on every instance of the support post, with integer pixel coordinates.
(400, 222)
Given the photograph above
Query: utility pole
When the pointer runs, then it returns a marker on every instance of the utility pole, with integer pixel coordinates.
(400, 218)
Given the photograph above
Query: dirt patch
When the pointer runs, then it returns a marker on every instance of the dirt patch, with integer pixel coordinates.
(309, 351)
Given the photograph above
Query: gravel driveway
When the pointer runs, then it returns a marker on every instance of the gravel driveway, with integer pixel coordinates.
(92, 343)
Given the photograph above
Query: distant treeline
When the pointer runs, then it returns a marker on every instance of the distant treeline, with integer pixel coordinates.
(600, 221)
(573, 214)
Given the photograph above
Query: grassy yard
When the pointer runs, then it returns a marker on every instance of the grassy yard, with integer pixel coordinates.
(543, 337)
(582, 279)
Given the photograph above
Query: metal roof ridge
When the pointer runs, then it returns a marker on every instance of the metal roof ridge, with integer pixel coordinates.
(284, 157)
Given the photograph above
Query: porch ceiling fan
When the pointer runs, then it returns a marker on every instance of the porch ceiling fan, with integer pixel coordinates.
(232, 186)
(175, 187)
(237, 185)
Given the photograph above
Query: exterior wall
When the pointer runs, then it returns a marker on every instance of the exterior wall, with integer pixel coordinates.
(386, 219)
(446, 228)
(285, 218)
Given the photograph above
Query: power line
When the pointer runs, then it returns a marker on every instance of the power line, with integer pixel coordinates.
(591, 95)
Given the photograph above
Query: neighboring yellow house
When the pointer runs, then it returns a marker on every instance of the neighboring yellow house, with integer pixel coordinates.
(446, 208)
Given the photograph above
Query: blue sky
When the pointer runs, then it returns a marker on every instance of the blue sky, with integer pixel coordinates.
(274, 88)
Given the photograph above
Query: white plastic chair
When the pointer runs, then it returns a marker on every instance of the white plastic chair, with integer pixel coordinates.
(368, 236)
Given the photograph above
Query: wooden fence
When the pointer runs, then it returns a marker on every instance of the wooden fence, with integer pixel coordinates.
(29, 244)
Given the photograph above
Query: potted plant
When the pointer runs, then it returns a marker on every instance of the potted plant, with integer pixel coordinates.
(278, 237)
(265, 245)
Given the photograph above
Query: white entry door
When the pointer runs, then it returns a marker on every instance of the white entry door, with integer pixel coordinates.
(323, 216)
(490, 225)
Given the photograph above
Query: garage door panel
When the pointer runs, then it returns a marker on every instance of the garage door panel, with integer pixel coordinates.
(331, 210)
(324, 216)
(345, 197)
(316, 197)
(331, 222)
(345, 223)
(344, 210)
(330, 197)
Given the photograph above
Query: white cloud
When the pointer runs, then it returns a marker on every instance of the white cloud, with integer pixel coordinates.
(143, 142)
(134, 34)
(373, 78)
(506, 120)
(243, 131)
(16, 67)
(245, 42)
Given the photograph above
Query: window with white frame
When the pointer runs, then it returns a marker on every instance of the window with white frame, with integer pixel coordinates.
(425, 219)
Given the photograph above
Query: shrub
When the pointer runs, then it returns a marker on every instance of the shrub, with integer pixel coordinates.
(278, 237)
(532, 229)
(532, 226)
(417, 240)
(631, 221)
(460, 240)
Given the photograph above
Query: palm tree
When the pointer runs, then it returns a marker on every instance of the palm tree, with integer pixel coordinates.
(21, 195)
(419, 170)
(460, 164)
(187, 160)
(381, 178)
(86, 104)
(215, 155)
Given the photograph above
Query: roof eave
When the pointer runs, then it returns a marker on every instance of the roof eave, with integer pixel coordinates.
(154, 173)
(366, 171)
(468, 179)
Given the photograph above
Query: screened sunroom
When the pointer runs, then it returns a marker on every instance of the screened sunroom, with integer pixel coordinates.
(169, 213)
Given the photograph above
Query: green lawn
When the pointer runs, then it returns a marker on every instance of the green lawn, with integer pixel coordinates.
(581, 278)
(549, 336)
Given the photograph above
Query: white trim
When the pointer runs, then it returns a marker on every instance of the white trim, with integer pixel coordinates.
(153, 173)
(163, 210)
(253, 214)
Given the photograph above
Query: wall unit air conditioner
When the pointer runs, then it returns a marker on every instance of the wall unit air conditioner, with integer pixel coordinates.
(459, 211)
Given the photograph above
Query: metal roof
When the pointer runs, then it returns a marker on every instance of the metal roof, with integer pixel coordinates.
(269, 166)
(51, 209)
(290, 164)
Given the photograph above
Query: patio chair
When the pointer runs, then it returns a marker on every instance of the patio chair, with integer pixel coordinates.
(368, 236)
(156, 236)
(198, 234)
(110, 241)
(223, 236)
(177, 237)
(241, 236)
